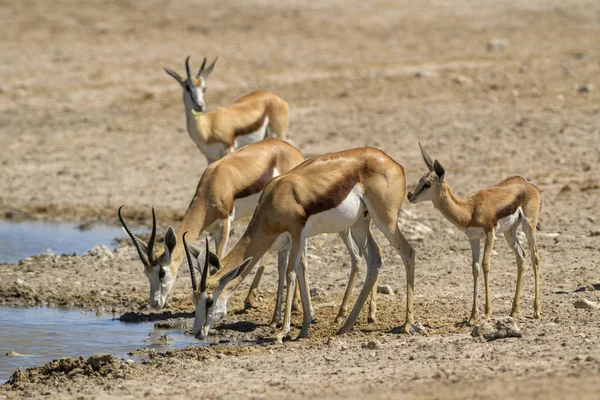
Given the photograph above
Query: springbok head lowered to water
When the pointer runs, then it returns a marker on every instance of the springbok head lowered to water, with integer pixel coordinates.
(193, 86)
(211, 297)
(159, 269)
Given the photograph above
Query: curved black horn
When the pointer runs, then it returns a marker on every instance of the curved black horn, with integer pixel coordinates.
(426, 158)
(205, 272)
(202, 67)
(187, 67)
(189, 260)
(135, 240)
(152, 237)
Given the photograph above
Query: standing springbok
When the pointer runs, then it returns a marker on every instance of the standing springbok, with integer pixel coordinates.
(483, 214)
(228, 191)
(326, 194)
(248, 120)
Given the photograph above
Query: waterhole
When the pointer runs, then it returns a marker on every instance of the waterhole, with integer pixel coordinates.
(19, 240)
(40, 335)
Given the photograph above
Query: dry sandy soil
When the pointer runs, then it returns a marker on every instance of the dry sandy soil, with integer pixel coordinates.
(89, 121)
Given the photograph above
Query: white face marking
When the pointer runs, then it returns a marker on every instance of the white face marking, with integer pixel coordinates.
(159, 288)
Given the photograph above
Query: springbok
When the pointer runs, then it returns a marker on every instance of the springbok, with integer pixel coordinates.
(248, 120)
(228, 190)
(498, 209)
(326, 194)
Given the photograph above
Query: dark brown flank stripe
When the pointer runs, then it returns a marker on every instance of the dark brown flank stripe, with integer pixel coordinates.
(259, 184)
(510, 208)
(253, 127)
(334, 196)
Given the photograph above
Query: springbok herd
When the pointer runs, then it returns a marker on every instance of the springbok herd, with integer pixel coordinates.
(253, 172)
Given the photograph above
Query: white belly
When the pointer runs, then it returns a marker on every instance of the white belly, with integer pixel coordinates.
(212, 152)
(253, 137)
(337, 219)
(502, 226)
(244, 207)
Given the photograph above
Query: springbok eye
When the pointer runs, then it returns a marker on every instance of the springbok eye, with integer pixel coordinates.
(209, 303)
(427, 185)
(161, 273)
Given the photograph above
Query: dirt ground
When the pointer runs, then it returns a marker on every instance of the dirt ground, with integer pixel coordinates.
(90, 121)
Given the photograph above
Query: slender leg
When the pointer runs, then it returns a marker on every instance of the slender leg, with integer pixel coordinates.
(374, 263)
(475, 251)
(530, 233)
(303, 263)
(353, 243)
(302, 274)
(294, 260)
(515, 245)
(487, 254)
(408, 255)
(281, 266)
(224, 237)
(250, 301)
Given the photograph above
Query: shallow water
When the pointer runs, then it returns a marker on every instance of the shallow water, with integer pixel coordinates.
(45, 334)
(19, 240)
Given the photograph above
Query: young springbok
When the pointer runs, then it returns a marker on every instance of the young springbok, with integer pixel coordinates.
(482, 215)
(248, 120)
(326, 194)
(228, 191)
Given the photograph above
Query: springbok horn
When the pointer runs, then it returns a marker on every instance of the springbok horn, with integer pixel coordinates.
(187, 67)
(426, 158)
(135, 240)
(205, 272)
(152, 237)
(189, 259)
(202, 67)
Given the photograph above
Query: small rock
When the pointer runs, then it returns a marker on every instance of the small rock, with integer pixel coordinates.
(13, 354)
(318, 292)
(372, 345)
(20, 282)
(497, 44)
(101, 251)
(586, 304)
(462, 80)
(98, 360)
(588, 87)
(418, 329)
(425, 73)
(497, 328)
(385, 289)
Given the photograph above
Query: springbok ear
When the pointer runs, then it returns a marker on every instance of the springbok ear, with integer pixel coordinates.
(426, 158)
(170, 241)
(225, 279)
(175, 75)
(439, 170)
(210, 68)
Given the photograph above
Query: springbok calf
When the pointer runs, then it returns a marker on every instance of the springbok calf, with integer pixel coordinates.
(326, 194)
(248, 120)
(228, 191)
(483, 214)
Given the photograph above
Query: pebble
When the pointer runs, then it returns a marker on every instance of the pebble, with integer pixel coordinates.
(497, 44)
(101, 251)
(462, 80)
(586, 304)
(13, 354)
(372, 345)
(425, 73)
(588, 87)
(497, 328)
(418, 328)
(385, 289)
(318, 292)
